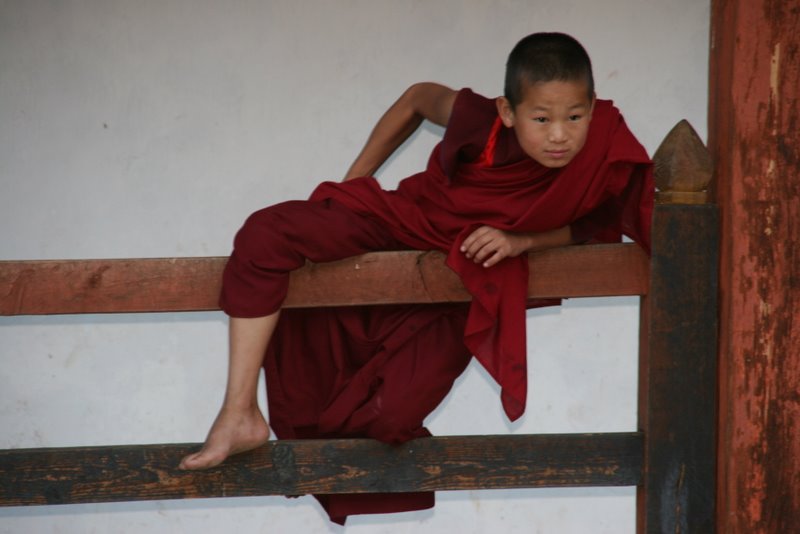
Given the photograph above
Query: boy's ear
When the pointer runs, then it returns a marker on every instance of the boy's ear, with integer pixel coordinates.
(505, 110)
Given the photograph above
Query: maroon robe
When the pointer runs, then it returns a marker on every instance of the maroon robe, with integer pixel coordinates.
(378, 372)
(504, 188)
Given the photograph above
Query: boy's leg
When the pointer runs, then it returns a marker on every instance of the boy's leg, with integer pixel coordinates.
(240, 426)
(272, 243)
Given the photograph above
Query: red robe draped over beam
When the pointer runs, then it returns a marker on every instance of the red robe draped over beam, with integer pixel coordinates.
(377, 372)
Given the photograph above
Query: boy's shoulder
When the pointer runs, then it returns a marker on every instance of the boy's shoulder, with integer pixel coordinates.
(471, 111)
(471, 121)
(471, 103)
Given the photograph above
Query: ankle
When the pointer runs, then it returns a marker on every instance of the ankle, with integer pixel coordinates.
(239, 405)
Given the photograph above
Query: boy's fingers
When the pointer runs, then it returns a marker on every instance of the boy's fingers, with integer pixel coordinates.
(488, 252)
(473, 243)
(493, 253)
(495, 258)
(472, 237)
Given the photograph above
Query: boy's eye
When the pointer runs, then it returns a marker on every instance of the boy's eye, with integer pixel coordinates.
(575, 117)
(540, 120)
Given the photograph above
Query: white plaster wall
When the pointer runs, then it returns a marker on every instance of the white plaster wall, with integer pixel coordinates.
(135, 129)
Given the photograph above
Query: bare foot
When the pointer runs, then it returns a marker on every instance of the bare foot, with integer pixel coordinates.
(233, 431)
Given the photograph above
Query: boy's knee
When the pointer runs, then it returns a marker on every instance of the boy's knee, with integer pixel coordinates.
(262, 241)
(282, 221)
(258, 228)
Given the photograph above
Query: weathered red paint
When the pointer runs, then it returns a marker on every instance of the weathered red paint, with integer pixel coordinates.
(755, 141)
(190, 284)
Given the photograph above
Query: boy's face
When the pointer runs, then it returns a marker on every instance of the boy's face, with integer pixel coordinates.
(551, 122)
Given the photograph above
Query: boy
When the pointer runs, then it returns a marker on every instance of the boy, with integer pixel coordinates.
(545, 165)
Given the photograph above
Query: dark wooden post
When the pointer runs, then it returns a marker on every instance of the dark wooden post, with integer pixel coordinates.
(754, 137)
(677, 382)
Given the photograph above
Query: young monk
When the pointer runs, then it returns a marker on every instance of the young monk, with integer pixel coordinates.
(543, 166)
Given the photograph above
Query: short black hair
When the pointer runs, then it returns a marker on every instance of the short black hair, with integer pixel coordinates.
(546, 57)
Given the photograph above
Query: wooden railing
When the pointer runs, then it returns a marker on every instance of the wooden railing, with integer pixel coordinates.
(670, 458)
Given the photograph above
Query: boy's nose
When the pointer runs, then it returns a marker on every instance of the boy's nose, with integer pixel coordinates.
(557, 134)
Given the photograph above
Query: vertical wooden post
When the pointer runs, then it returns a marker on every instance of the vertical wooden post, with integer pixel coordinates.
(754, 137)
(677, 398)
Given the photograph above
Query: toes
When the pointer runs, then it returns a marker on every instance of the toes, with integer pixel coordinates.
(188, 461)
(185, 462)
(195, 462)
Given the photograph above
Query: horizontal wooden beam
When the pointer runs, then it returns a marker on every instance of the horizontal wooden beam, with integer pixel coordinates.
(298, 467)
(193, 284)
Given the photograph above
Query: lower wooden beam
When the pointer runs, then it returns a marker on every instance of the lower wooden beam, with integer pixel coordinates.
(288, 467)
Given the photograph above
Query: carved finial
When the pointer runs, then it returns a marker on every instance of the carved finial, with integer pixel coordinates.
(682, 166)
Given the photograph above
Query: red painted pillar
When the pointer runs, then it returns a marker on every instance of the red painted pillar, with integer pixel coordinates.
(754, 125)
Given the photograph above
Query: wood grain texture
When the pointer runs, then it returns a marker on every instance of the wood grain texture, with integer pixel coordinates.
(193, 284)
(678, 366)
(296, 467)
(754, 136)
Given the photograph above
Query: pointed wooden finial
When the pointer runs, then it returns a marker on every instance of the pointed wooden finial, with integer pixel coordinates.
(682, 167)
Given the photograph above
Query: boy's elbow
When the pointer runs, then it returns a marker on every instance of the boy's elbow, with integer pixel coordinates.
(432, 101)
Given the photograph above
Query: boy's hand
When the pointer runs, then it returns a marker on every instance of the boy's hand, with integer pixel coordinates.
(489, 245)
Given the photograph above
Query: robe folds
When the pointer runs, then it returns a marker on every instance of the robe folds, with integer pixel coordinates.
(503, 188)
(379, 371)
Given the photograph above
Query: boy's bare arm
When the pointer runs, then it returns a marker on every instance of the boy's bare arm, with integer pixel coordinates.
(488, 245)
(422, 101)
